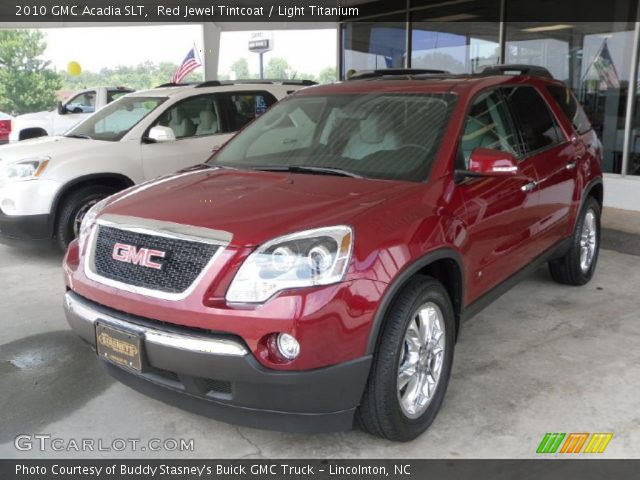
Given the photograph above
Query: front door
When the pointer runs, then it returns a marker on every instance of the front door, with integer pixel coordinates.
(78, 108)
(500, 211)
(198, 124)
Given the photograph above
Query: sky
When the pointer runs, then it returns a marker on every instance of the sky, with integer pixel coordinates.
(307, 51)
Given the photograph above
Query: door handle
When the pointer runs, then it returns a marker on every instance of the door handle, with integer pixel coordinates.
(571, 165)
(527, 187)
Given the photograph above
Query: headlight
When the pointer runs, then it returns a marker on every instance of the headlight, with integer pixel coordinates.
(88, 221)
(304, 259)
(23, 170)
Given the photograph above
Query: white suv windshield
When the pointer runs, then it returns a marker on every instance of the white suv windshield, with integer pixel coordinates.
(387, 136)
(116, 119)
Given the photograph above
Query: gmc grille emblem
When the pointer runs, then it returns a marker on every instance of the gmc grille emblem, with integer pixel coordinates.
(137, 256)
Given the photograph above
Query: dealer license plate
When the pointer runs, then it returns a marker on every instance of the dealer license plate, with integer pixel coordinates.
(119, 346)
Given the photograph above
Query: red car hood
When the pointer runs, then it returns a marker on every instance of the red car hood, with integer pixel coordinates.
(254, 206)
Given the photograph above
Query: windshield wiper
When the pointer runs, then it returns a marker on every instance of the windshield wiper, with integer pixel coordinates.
(308, 169)
(78, 135)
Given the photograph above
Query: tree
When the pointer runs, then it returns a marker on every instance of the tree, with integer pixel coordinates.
(278, 68)
(142, 76)
(327, 75)
(240, 68)
(27, 84)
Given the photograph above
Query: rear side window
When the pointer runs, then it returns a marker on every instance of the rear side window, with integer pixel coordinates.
(570, 107)
(246, 106)
(537, 126)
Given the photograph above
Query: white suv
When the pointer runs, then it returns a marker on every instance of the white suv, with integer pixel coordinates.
(47, 184)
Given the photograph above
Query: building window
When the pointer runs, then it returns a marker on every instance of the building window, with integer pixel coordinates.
(453, 36)
(373, 45)
(593, 59)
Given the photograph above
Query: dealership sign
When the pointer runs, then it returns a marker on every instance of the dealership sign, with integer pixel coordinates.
(260, 43)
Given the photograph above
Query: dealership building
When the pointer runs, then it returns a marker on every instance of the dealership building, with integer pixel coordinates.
(597, 59)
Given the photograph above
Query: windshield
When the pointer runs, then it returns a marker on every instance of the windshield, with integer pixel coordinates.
(116, 119)
(385, 136)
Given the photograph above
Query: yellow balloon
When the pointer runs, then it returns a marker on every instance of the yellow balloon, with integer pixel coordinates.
(74, 69)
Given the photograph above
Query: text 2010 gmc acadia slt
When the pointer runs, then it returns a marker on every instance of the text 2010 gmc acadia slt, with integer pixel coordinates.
(316, 271)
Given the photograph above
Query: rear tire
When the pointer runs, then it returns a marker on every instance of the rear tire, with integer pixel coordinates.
(391, 408)
(74, 209)
(577, 266)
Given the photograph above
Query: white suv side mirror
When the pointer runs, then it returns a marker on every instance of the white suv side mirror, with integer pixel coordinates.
(161, 134)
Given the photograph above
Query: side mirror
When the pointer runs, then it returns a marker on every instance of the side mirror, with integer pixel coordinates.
(62, 110)
(487, 162)
(214, 150)
(159, 134)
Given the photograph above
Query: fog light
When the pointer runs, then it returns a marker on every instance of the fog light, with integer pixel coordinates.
(8, 206)
(288, 346)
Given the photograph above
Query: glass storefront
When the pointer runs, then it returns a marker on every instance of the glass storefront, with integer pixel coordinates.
(593, 58)
(374, 45)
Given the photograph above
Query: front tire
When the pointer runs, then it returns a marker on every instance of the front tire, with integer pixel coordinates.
(73, 210)
(412, 366)
(577, 266)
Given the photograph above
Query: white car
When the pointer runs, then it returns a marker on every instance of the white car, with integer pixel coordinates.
(68, 114)
(47, 184)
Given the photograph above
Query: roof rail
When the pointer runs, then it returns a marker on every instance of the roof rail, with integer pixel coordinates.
(516, 69)
(211, 83)
(255, 81)
(172, 84)
(383, 72)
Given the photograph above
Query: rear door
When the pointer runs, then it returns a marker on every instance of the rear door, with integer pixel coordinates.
(553, 157)
(500, 213)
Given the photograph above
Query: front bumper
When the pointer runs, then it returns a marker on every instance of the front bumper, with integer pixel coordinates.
(216, 375)
(25, 227)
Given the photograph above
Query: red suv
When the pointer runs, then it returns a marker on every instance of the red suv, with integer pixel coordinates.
(317, 270)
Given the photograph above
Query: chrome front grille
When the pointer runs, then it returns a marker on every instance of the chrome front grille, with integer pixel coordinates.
(151, 261)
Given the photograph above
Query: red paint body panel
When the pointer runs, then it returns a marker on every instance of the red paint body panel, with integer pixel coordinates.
(5, 129)
(495, 227)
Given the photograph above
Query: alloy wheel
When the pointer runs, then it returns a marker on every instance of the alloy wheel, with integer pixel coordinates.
(421, 360)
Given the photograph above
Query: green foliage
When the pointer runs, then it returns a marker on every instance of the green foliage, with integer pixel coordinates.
(142, 76)
(327, 75)
(240, 69)
(278, 67)
(27, 84)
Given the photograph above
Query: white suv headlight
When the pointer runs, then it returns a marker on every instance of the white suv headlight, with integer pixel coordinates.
(88, 221)
(28, 169)
(303, 259)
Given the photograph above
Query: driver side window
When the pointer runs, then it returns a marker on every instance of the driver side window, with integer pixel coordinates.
(82, 103)
(488, 125)
(194, 117)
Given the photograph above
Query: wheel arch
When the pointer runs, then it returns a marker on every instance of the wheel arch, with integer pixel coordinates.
(445, 265)
(41, 131)
(595, 189)
(115, 180)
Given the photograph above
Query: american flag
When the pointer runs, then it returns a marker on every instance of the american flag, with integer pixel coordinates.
(189, 64)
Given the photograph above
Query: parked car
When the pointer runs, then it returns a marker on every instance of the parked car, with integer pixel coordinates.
(48, 184)
(5, 127)
(66, 115)
(318, 269)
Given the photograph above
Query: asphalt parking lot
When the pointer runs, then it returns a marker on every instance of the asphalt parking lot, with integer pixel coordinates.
(543, 358)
